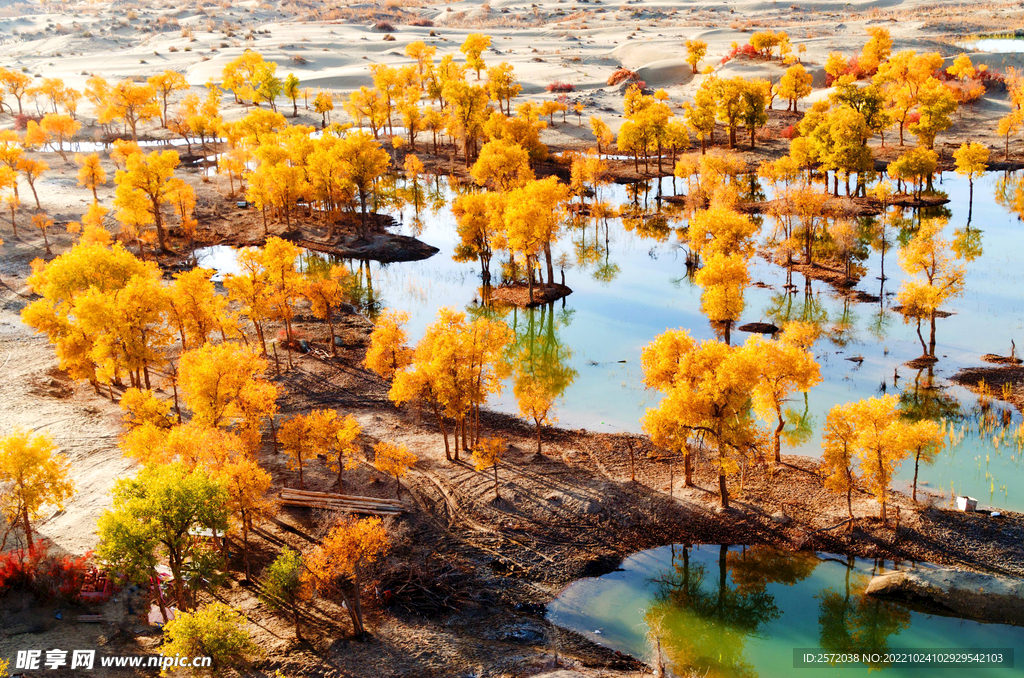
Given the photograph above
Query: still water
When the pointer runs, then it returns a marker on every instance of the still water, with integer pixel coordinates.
(994, 45)
(629, 286)
(741, 611)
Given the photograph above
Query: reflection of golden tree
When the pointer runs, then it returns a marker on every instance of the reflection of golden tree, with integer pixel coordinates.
(850, 621)
(754, 567)
(785, 308)
(542, 369)
(937, 277)
(1010, 193)
(705, 630)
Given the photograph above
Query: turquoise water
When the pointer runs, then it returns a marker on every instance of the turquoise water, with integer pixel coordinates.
(748, 622)
(628, 288)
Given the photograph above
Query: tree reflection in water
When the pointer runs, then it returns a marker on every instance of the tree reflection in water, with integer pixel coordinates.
(850, 621)
(703, 628)
(700, 623)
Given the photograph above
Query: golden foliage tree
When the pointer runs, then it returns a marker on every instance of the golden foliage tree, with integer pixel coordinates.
(35, 475)
(132, 103)
(90, 172)
(473, 48)
(707, 389)
(348, 548)
(32, 168)
(784, 368)
(394, 460)
(326, 292)
(144, 186)
(251, 289)
(937, 277)
(839, 443)
(217, 380)
(455, 367)
(87, 267)
(60, 128)
(487, 455)
(195, 307)
(246, 484)
(971, 162)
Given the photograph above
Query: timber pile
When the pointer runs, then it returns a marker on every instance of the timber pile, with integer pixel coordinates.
(341, 502)
(90, 619)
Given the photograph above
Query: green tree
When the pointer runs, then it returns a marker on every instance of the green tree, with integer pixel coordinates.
(216, 631)
(157, 512)
(281, 588)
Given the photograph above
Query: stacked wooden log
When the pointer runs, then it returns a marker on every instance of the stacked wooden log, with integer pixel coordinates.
(348, 503)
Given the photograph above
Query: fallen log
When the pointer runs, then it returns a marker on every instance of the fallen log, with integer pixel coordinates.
(344, 497)
(340, 502)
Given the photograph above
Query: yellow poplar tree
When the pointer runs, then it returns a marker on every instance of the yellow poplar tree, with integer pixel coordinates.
(326, 294)
(348, 548)
(455, 367)
(60, 128)
(389, 352)
(473, 48)
(393, 460)
(784, 368)
(215, 379)
(487, 455)
(196, 308)
(938, 277)
(251, 289)
(707, 389)
(880, 444)
(247, 485)
(147, 176)
(838, 443)
(971, 162)
(35, 475)
(90, 172)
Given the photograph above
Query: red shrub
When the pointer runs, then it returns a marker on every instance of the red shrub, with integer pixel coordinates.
(621, 75)
(992, 79)
(45, 574)
(854, 68)
(21, 120)
(789, 132)
(297, 336)
(743, 50)
(559, 86)
(912, 118)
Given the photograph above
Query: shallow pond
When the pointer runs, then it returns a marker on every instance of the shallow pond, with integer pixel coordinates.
(628, 287)
(994, 45)
(745, 611)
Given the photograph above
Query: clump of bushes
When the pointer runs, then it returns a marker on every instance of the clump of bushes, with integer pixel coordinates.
(622, 75)
(21, 120)
(561, 87)
(384, 27)
(854, 68)
(741, 50)
(43, 573)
